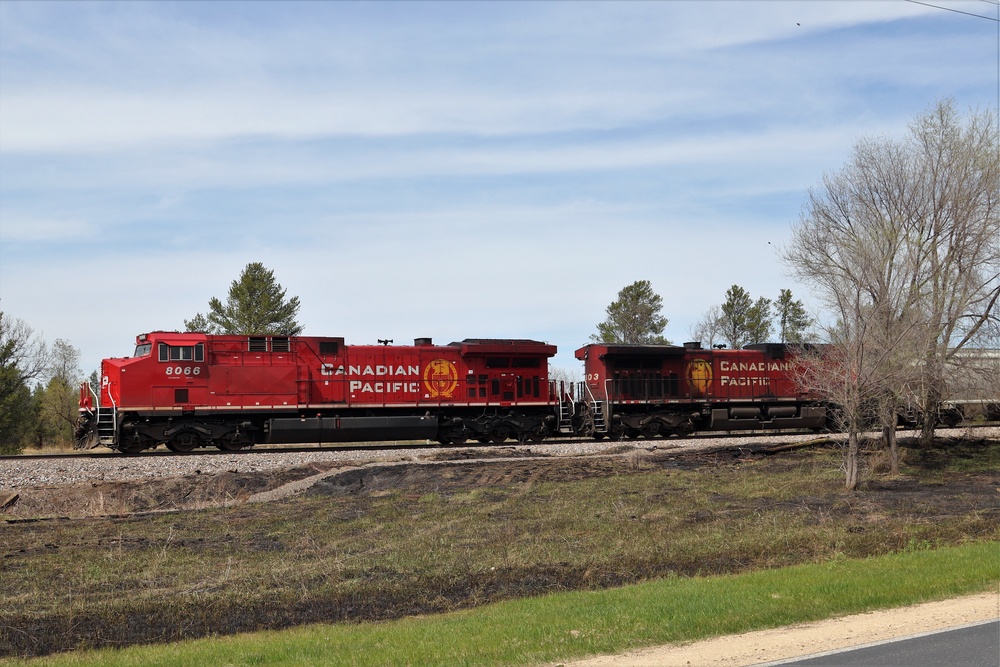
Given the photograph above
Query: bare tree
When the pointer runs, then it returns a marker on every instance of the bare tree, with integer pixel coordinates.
(21, 349)
(902, 245)
(956, 240)
(709, 328)
(57, 400)
(846, 371)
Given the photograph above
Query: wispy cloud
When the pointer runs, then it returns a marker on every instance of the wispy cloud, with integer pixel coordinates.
(45, 230)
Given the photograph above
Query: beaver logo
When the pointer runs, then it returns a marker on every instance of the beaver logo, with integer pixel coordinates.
(441, 378)
(699, 376)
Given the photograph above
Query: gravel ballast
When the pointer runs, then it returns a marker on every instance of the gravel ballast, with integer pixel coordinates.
(21, 473)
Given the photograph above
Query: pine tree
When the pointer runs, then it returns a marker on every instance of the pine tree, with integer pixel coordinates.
(256, 306)
(634, 318)
(744, 321)
(23, 358)
(793, 321)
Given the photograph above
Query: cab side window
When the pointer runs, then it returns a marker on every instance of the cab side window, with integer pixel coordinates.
(181, 352)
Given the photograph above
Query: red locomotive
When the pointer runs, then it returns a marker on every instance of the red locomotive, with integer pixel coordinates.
(653, 390)
(188, 390)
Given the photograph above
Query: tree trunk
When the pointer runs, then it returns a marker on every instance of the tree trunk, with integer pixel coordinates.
(932, 403)
(851, 461)
(889, 436)
(889, 421)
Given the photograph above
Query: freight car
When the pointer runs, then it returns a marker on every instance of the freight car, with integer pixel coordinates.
(189, 390)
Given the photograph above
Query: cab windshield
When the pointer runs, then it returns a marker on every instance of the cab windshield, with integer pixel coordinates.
(143, 350)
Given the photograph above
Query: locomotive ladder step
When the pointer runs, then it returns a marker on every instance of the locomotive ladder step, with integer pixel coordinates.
(105, 425)
(566, 417)
(600, 424)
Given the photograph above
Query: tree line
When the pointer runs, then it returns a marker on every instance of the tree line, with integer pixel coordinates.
(634, 318)
(39, 388)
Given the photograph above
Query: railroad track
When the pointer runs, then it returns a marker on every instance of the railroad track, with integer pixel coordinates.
(102, 452)
(349, 447)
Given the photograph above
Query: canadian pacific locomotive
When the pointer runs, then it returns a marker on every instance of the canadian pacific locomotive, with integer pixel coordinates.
(190, 390)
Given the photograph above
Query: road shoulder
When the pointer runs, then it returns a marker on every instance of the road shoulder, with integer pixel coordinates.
(763, 646)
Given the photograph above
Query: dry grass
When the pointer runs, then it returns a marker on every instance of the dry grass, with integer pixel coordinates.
(390, 543)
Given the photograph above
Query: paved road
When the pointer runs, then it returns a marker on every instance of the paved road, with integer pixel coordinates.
(971, 646)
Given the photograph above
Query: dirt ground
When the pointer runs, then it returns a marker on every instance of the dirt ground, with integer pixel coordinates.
(764, 646)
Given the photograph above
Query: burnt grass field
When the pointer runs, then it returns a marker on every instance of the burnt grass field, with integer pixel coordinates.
(386, 541)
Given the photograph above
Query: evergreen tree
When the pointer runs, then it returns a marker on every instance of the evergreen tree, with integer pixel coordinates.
(793, 321)
(23, 357)
(634, 318)
(200, 323)
(256, 306)
(16, 410)
(745, 321)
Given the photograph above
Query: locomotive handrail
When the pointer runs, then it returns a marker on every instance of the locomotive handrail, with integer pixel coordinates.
(585, 392)
(564, 399)
(114, 411)
(85, 403)
(97, 397)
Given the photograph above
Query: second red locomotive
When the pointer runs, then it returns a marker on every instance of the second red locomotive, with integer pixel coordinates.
(652, 390)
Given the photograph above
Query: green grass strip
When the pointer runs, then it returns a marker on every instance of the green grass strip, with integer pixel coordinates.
(572, 625)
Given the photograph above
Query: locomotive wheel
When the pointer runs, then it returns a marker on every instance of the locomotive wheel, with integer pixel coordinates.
(684, 429)
(454, 436)
(498, 436)
(651, 430)
(183, 442)
(537, 434)
(231, 445)
(136, 447)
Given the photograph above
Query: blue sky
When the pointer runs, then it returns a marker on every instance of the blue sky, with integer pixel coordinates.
(443, 169)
